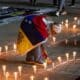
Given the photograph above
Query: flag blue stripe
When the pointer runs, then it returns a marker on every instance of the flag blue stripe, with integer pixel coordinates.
(31, 32)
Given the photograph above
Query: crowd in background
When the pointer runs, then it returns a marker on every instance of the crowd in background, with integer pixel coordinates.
(60, 5)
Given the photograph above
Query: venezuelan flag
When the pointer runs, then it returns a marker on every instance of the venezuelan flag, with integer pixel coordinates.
(32, 32)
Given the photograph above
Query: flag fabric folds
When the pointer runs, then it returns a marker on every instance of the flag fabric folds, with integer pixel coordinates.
(32, 32)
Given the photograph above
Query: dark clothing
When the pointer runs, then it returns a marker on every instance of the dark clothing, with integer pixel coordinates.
(61, 5)
(72, 2)
(54, 2)
(78, 78)
(33, 2)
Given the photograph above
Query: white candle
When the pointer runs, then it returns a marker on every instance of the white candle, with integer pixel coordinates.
(32, 77)
(54, 39)
(46, 78)
(0, 50)
(15, 75)
(53, 65)
(74, 55)
(67, 21)
(6, 48)
(20, 70)
(66, 41)
(62, 22)
(59, 59)
(45, 65)
(66, 25)
(7, 75)
(14, 47)
(74, 27)
(67, 56)
(34, 68)
(75, 18)
(4, 69)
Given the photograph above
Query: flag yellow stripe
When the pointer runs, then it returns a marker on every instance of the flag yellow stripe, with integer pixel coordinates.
(24, 45)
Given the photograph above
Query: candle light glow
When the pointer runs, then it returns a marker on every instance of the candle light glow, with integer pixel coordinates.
(15, 76)
(34, 68)
(20, 70)
(59, 59)
(4, 69)
(67, 56)
(6, 48)
(32, 77)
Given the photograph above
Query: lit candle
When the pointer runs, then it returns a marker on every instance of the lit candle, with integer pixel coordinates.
(74, 55)
(6, 48)
(67, 21)
(66, 25)
(54, 39)
(14, 47)
(0, 50)
(20, 70)
(74, 27)
(59, 59)
(75, 18)
(32, 77)
(46, 78)
(15, 76)
(34, 68)
(45, 65)
(66, 41)
(67, 56)
(62, 22)
(4, 69)
(7, 75)
(53, 65)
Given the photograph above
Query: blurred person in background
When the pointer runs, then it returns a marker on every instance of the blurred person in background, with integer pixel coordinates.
(55, 2)
(61, 8)
(33, 2)
(72, 3)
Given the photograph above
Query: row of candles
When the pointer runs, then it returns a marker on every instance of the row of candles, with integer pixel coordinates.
(7, 49)
(14, 45)
(35, 69)
(74, 23)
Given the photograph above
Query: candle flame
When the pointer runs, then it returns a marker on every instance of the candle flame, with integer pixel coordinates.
(32, 77)
(53, 65)
(0, 50)
(7, 75)
(67, 56)
(46, 78)
(20, 70)
(66, 21)
(45, 65)
(74, 26)
(59, 59)
(34, 68)
(4, 69)
(15, 75)
(66, 24)
(75, 18)
(54, 39)
(6, 48)
(14, 47)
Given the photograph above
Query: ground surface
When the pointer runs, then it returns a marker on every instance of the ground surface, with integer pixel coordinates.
(69, 71)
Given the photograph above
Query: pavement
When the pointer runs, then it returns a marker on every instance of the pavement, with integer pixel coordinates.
(63, 71)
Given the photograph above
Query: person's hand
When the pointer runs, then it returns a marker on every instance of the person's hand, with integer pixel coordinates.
(57, 28)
